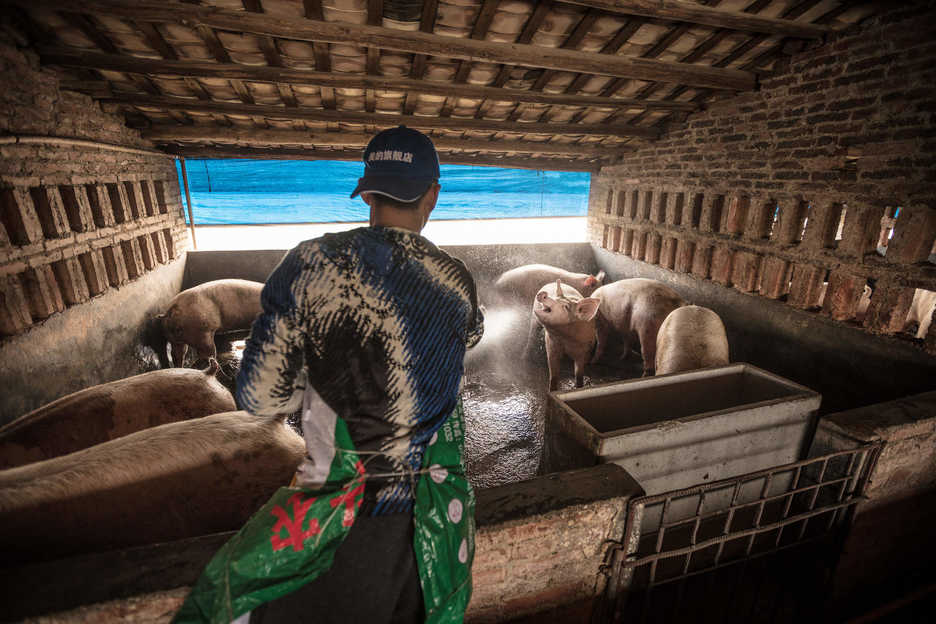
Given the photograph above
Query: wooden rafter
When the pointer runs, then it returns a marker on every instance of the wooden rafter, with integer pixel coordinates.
(426, 24)
(478, 31)
(202, 69)
(260, 136)
(313, 11)
(169, 103)
(413, 42)
(682, 11)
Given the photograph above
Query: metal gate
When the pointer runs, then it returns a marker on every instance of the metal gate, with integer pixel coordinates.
(756, 548)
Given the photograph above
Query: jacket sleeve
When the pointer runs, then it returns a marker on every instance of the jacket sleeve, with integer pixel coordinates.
(271, 379)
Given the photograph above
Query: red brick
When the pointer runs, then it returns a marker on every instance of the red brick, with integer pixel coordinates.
(149, 197)
(658, 211)
(861, 229)
(692, 210)
(640, 245)
(674, 208)
(115, 265)
(760, 217)
(134, 199)
(95, 271)
(161, 203)
(14, 309)
(77, 208)
(789, 225)
(99, 202)
(147, 252)
(118, 201)
(42, 292)
(888, 309)
(842, 295)
(627, 242)
(668, 253)
(702, 260)
(71, 281)
(133, 258)
(737, 218)
(823, 222)
(654, 244)
(50, 211)
(713, 209)
(159, 245)
(913, 235)
(745, 272)
(19, 216)
(685, 249)
(722, 264)
(806, 285)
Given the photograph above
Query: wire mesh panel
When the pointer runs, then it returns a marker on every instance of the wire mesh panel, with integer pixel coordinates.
(759, 547)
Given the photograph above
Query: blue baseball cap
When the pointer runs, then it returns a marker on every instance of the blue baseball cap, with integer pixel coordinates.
(400, 163)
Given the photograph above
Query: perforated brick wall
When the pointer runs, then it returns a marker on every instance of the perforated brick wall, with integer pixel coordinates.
(794, 192)
(76, 219)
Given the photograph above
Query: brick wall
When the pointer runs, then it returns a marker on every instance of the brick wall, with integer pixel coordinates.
(785, 193)
(92, 238)
(76, 219)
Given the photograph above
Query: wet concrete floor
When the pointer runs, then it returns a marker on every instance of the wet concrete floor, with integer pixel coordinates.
(504, 395)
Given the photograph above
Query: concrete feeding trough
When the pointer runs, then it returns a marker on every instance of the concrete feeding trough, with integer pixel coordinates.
(674, 431)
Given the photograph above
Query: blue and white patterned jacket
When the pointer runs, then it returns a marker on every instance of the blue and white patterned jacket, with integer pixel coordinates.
(370, 325)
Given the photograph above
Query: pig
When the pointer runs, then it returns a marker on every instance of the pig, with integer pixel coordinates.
(921, 311)
(111, 410)
(690, 337)
(569, 321)
(195, 314)
(634, 307)
(170, 482)
(521, 284)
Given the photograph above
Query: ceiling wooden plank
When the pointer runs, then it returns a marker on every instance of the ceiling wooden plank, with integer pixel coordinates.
(256, 136)
(313, 10)
(207, 69)
(414, 42)
(418, 69)
(445, 158)
(169, 103)
(682, 11)
(156, 41)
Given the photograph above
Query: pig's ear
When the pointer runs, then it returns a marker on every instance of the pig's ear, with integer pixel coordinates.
(590, 281)
(600, 278)
(586, 309)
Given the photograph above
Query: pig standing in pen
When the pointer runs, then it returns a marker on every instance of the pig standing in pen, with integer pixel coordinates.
(111, 410)
(179, 480)
(195, 314)
(632, 308)
(690, 337)
(569, 321)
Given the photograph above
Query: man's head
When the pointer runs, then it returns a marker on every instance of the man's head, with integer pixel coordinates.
(400, 181)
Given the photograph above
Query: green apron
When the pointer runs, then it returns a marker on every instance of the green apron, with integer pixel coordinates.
(293, 538)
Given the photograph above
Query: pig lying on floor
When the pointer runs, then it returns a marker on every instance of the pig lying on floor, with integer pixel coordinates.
(179, 480)
(634, 307)
(690, 337)
(111, 410)
(195, 314)
(569, 321)
(521, 284)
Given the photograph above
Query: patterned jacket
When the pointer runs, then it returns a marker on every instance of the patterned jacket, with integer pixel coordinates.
(370, 325)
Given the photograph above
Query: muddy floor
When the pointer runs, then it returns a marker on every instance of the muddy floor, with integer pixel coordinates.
(504, 395)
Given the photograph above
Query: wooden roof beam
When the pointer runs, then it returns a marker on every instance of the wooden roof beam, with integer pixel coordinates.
(682, 11)
(411, 42)
(261, 136)
(206, 69)
(509, 162)
(175, 104)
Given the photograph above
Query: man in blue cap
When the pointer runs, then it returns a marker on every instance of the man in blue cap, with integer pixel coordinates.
(365, 331)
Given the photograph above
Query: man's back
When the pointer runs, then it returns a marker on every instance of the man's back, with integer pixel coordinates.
(379, 319)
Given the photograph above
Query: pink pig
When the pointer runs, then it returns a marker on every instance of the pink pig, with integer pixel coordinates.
(569, 321)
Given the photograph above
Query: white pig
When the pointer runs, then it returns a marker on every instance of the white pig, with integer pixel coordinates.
(170, 482)
(690, 337)
(569, 321)
(634, 307)
(195, 314)
(111, 410)
(921, 310)
(521, 284)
